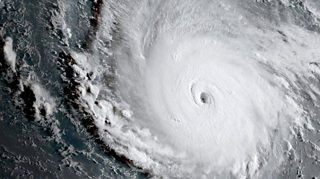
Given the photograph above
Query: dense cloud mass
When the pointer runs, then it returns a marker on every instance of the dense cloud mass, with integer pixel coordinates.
(206, 88)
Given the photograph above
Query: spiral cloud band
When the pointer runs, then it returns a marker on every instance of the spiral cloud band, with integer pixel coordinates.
(201, 89)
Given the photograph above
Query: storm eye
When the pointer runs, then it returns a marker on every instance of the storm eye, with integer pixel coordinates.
(205, 98)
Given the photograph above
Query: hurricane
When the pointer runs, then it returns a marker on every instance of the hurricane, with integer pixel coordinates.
(204, 89)
(198, 88)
